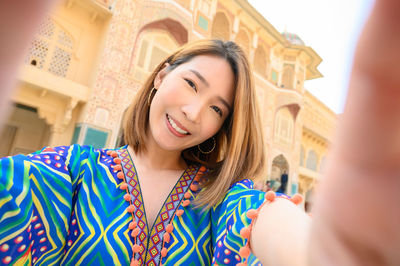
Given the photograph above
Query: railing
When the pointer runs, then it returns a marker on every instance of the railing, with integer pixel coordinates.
(105, 3)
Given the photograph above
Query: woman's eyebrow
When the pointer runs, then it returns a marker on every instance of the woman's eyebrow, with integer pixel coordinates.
(200, 77)
(224, 103)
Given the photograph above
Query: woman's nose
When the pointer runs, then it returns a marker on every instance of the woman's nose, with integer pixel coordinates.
(192, 111)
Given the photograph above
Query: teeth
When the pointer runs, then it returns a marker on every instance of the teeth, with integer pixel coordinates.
(180, 130)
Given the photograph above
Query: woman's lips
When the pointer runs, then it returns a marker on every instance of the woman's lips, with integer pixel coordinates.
(175, 127)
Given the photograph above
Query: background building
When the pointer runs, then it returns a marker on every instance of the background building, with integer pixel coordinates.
(90, 57)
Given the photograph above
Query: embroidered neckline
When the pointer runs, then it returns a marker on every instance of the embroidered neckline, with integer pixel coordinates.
(149, 242)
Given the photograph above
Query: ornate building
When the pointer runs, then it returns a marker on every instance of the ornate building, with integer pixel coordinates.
(90, 57)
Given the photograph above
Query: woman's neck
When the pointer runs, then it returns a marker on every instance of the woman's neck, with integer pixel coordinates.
(158, 159)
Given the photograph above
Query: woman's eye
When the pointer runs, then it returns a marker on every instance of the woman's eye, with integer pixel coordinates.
(191, 84)
(217, 110)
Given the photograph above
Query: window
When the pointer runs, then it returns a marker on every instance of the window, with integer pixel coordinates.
(312, 160)
(260, 61)
(51, 50)
(284, 126)
(154, 46)
(288, 77)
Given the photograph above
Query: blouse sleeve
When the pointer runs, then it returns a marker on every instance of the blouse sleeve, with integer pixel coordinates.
(228, 218)
(37, 192)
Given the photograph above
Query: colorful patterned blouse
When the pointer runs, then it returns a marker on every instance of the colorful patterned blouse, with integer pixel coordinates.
(64, 206)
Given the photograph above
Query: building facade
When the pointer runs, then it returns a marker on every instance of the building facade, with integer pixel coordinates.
(90, 57)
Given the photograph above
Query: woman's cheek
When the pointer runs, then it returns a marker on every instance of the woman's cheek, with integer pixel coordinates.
(212, 126)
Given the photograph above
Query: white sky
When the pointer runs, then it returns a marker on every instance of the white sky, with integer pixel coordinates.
(331, 28)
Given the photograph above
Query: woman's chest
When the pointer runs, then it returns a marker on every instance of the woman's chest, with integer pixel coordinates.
(110, 217)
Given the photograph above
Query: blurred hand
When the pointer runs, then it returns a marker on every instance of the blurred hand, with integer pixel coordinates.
(357, 211)
(18, 22)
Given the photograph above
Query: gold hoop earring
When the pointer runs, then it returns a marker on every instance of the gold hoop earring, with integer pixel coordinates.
(210, 151)
(150, 96)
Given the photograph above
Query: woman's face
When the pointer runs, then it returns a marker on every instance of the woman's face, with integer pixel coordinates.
(191, 103)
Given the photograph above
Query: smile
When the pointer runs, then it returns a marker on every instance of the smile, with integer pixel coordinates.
(178, 129)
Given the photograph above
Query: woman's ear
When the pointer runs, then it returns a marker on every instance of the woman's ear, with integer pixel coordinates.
(160, 75)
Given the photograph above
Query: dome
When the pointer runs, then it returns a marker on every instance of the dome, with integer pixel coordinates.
(293, 38)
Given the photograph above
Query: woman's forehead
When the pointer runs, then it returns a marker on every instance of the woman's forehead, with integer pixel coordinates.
(208, 68)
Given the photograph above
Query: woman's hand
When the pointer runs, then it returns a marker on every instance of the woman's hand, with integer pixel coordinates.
(357, 212)
(18, 22)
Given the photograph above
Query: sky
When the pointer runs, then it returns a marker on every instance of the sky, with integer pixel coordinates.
(331, 28)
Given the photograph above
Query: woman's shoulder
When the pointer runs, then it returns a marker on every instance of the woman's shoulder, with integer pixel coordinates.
(74, 149)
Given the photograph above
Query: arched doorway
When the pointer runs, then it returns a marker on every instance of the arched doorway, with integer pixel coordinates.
(24, 132)
(279, 174)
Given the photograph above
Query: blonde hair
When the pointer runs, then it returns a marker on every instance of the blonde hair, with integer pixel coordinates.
(239, 149)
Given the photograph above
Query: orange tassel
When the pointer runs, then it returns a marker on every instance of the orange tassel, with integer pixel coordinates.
(123, 186)
(187, 195)
(136, 248)
(252, 214)
(134, 262)
(163, 252)
(132, 225)
(120, 175)
(193, 187)
(270, 196)
(127, 197)
(117, 160)
(130, 208)
(297, 199)
(179, 212)
(244, 251)
(118, 167)
(169, 228)
(245, 232)
(167, 237)
(114, 154)
(135, 232)
(185, 203)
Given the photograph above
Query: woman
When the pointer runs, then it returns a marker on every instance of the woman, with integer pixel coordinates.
(356, 215)
(176, 195)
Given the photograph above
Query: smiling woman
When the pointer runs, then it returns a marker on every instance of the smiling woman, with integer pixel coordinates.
(166, 199)
(176, 194)
(206, 88)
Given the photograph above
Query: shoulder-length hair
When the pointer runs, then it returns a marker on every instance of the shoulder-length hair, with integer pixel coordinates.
(239, 150)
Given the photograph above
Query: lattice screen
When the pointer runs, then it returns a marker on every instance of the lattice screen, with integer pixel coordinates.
(37, 53)
(60, 62)
(52, 49)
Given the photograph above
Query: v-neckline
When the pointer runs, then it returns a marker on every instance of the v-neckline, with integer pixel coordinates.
(150, 237)
(149, 228)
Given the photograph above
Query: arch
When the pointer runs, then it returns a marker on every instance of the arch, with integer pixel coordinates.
(221, 27)
(279, 173)
(288, 76)
(153, 46)
(312, 160)
(243, 39)
(260, 61)
(176, 29)
(284, 127)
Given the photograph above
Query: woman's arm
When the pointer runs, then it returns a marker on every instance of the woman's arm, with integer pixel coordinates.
(357, 212)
